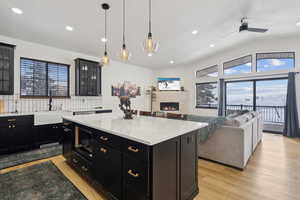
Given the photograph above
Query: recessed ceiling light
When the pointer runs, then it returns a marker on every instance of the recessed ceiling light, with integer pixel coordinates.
(104, 39)
(69, 28)
(172, 62)
(211, 45)
(150, 54)
(194, 32)
(298, 24)
(17, 11)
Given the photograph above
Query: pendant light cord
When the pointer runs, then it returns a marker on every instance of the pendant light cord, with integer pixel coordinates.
(105, 32)
(150, 5)
(123, 23)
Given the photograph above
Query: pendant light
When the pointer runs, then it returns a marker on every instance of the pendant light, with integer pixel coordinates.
(105, 59)
(150, 46)
(124, 53)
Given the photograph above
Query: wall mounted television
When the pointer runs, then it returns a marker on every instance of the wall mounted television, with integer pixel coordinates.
(168, 84)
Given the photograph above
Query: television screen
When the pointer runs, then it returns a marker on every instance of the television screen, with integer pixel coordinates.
(167, 84)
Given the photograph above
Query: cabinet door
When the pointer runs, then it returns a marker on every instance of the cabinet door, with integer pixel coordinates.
(23, 136)
(5, 139)
(88, 78)
(107, 168)
(48, 133)
(136, 179)
(189, 169)
(6, 69)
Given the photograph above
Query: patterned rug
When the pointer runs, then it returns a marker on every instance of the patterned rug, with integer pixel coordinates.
(38, 182)
(29, 156)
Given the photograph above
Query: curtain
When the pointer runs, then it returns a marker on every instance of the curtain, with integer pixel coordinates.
(221, 110)
(291, 124)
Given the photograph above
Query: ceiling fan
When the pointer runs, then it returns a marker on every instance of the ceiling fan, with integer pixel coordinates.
(244, 27)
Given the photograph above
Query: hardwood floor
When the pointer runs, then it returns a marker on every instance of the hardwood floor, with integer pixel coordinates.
(273, 173)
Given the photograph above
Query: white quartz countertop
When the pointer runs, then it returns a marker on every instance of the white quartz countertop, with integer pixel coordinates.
(146, 130)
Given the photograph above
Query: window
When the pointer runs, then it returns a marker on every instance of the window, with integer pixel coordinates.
(267, 96)
(274, 61)
(206, 95)
(239, 95)
(238, 66)
(42, 78)
(208, 72)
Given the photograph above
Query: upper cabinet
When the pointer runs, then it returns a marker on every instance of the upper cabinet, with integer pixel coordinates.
(6, 69)
(88, 78)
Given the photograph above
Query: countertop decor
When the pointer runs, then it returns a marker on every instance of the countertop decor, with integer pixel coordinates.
(125, 91)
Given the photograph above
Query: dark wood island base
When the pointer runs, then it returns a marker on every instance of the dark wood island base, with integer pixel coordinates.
(128, 170)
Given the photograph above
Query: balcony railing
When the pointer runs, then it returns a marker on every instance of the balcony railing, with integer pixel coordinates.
(271, 114)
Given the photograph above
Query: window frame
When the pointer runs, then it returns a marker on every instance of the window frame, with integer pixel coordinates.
(47, 62)
(205, 107)
(251, 67)
(293, 52)
(206, 76)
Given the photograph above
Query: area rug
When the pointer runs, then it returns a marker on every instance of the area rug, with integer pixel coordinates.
(29, 156)
(38, 182)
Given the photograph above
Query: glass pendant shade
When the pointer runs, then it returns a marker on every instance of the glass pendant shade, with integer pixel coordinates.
(105, 59)
(125, 54)
(150, 46)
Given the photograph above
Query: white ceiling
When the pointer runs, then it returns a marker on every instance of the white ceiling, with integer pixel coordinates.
(217, 21)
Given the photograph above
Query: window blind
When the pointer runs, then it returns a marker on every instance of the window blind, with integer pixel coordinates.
(276, 55)
(213, 71)
(41, 78)
(237, 62)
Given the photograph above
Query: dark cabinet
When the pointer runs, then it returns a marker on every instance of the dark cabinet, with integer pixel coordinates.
(49, 133)
(107, 168)
(129, 170)
(16, 133)
(5, 139)
(6, 69)
(88, 78)
(136, 180)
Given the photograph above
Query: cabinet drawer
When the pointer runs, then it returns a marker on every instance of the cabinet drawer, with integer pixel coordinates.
(16, 120)
(136, 176)
(108, 139)
(136, 150)
(80, 163)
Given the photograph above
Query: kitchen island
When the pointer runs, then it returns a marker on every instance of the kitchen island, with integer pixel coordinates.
(146, 158)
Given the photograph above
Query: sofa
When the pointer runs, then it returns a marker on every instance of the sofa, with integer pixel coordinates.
(233, 141)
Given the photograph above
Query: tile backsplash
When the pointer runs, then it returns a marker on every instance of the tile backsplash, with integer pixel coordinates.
(13, 103)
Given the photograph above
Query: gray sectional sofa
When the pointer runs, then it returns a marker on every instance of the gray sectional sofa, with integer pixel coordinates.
(230, 141)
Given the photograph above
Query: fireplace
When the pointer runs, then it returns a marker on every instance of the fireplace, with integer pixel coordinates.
(169, 106)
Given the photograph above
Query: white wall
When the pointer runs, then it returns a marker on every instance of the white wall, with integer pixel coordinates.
(114, 73)
(187, 72)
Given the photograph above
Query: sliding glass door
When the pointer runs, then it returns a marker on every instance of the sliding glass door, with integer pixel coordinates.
(271, 102)
(266, 96)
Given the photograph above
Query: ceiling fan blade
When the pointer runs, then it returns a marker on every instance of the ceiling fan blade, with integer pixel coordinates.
(258, 30)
